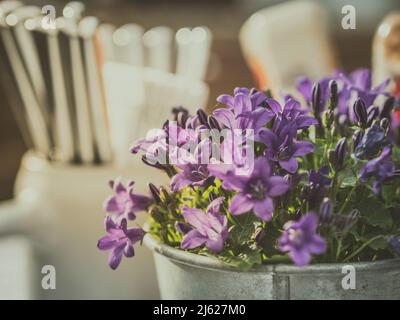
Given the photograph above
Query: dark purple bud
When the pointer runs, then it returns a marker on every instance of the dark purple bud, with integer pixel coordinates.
(155, 192)
(357, 136)
(182, 227)
(385, 124)
(316, 99)
(387, 108)
(373, 113)
(181, 114)
(371, 143)
(334, 97)
(151, 164)
(202, 117)
(213, 123)
(259, 235)
(394, 243)
(332, 157)
(360, 111)
(352, 218)
(326, 211)
(165, 194)
(340, 154)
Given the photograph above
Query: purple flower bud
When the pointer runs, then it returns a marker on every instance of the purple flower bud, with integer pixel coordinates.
(394, 243)
(373, 113)
(181, 115)
(340, 153)
(371, 143)
(387, 108)
(259, 235)
(202, 117)
(357, 136)
(155, 193)
(316, 100)
(154, 165)
(326, 211)
(334, 97)
(182, 227)
(213, 123)
(352, 217)
(385, 124)
(360, 111)
(344, 223)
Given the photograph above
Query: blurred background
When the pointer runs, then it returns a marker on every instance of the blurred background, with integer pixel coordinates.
(240, 48)
(224, 18)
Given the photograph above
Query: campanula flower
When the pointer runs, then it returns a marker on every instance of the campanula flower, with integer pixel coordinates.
(318, 184)
(371, 143)
(301, 240)
(125, 203)
(380, 168)
(119, 240)
(282, 147)
(209, 228)
(255, 190)
(360, 81)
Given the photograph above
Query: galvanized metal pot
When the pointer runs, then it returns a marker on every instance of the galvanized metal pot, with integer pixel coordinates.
(183, 275)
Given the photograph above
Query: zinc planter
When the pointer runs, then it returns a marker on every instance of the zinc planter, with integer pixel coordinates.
(183, 275)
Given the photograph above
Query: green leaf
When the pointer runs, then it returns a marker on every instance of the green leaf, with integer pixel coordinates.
(375, 213)
(347, 178)
(245, 260)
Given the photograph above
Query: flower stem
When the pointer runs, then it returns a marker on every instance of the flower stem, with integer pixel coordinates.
(366, 244)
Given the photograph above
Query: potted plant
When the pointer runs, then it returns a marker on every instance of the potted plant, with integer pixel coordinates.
(272, 197)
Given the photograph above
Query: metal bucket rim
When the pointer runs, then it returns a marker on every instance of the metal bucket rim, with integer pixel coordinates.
(204, 262)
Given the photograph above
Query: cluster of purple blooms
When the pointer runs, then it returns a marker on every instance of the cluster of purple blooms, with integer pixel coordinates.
(281, 130)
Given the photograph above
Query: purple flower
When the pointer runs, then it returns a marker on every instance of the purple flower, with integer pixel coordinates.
(372, 141)
(381, 168)
(194, 170)
(244, 110)
(125, 203)
(254, 191)
(360, 81)
(282, 147)
(210, 227)
(120, 241)
(301, 241)
(318, 183)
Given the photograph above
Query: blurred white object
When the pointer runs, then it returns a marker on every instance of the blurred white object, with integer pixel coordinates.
(87, 33)
(125, 101)
(74, 10)
(18, 269)
(128, 44)
(285, 41)
(71, 198)
(386, 51)
(158, 48)
(193, 52)
(35, 117)
(141, 99)
(105, 34)
(80, 92)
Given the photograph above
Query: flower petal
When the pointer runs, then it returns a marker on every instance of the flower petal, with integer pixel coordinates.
(240, 204)
(193, 239)
(302, 148)
(300, 257)
(290, 165)
(264, 209)
(277, 186)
